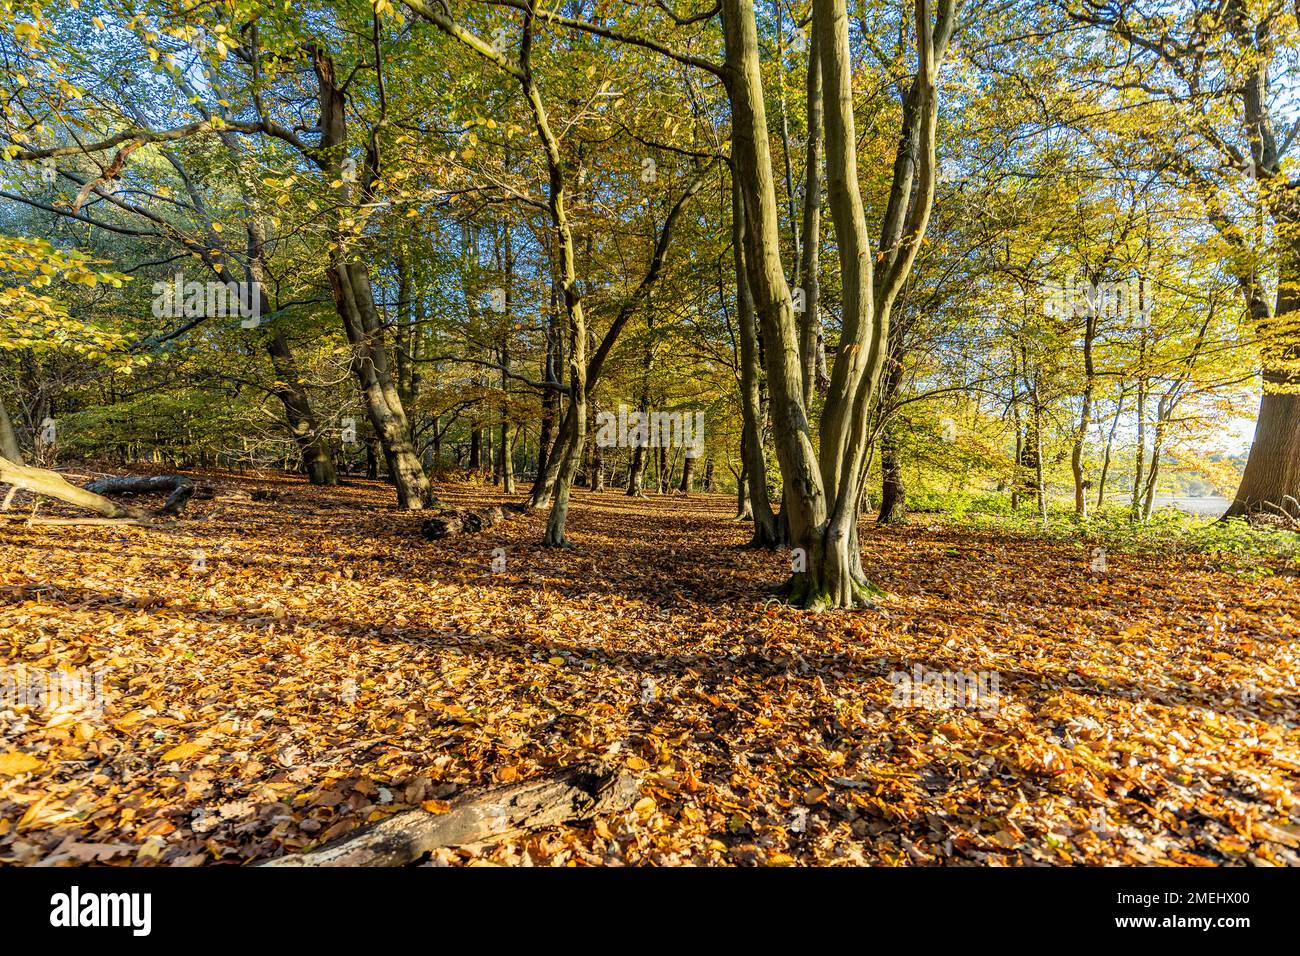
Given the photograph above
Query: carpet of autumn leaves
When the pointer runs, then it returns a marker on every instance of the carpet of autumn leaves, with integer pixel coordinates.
(324, 666)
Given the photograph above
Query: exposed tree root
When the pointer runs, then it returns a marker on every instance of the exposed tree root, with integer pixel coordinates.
(802, 590)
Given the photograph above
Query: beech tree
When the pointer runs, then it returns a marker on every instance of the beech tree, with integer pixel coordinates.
(823, 486)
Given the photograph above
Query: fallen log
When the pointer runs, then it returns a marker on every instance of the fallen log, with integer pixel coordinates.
(41, 481)
(462, 522)
(575, 795)
(178, 488)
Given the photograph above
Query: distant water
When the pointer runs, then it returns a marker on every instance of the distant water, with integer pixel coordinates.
(1210, 505)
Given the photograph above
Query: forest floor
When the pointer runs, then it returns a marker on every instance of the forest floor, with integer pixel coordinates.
(276, 673)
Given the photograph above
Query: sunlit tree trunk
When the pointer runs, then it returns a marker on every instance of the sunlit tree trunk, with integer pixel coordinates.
(1110, 443)
(8, 438)
(822, 487)
(1272, 475)
(355, 303)
(1085, 417)
(810, 230)
(1139, 454)
(758, 506)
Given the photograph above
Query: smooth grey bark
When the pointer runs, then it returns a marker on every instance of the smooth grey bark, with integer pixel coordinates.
(8, 438)
(751, 401)
(355, 303)
(41, 481)
(810, 230)
(822, 487)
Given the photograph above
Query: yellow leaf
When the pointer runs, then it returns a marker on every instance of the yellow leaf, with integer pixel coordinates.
(17, 762)
(557, 660)
(130, 720)
(436, 806)
(183, 750)
(59, 719)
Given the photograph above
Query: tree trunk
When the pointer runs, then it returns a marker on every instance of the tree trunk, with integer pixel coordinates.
(688, 476)
(356, 306)
(1039, 479)
(8, 439)
(507, 458)
(636, 470)
(505, 447)
(757, 505)
(1139, 459)
(744, 510)
(597, 472)
(1272, 474)
(40, 481)
(810, 236)
(893, 492)
(505, 470)
(576, 323)
(540, 494)
(475, 449)
(1105, 460)
(179, 490)
(317, 456)
(1029, 465)
(1085, 416)
(1153, 473)
(313, 444)
(355, 303)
